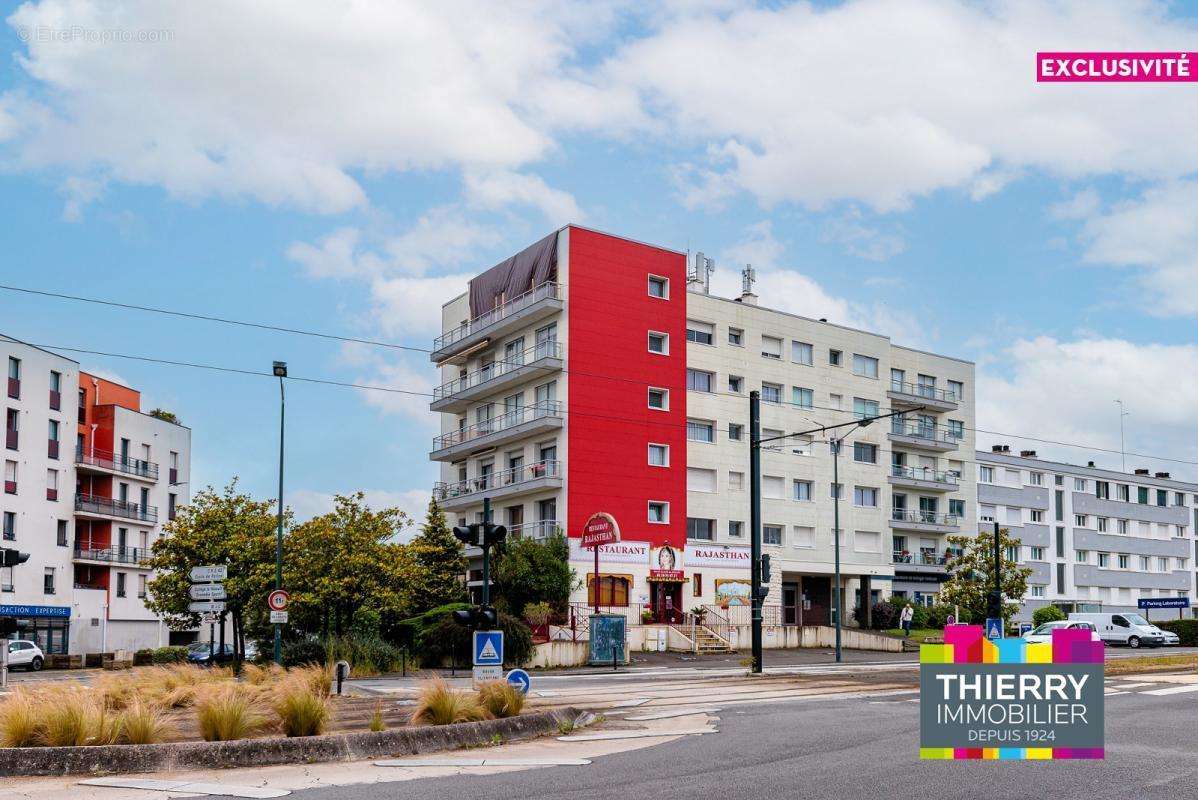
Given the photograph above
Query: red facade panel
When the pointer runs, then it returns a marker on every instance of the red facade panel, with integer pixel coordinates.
(610, 368)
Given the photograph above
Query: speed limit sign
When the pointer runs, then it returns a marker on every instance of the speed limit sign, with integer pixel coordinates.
(277, 600)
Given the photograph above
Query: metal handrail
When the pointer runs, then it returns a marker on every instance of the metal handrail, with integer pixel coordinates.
(548, 349)
(922, 390)
(547, 290)
(918, 515)
(533, 530)
(927, 559)
(117, 463)
(924, 474)
(923, 430)
(504, 421)
(115, 555)
(118, 508)
(498, 480)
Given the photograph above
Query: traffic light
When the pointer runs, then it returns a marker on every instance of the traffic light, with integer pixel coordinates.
(479, 618)
(480, 534)
(13, 557)
(765, 568)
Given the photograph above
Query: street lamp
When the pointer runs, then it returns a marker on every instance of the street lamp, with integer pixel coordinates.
(279, 368)
(838, 603)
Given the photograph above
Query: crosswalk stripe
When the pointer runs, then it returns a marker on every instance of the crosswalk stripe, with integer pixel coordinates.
(1189, 687)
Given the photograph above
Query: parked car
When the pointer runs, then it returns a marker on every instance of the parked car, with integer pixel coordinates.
(1125, 628)
(1171, 638)
(197, 653)
(26, 654)
(1043, 634)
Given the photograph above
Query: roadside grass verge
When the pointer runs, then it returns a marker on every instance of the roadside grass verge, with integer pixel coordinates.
(1162, 663)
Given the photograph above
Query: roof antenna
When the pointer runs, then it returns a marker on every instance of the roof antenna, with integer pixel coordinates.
(748, 277)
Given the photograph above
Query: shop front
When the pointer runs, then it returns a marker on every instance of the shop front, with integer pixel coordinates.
(48, 626)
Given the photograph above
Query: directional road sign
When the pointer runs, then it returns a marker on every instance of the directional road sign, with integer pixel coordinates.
(206, 606)
(208, 574)
(520, 679)
(207, 591)
(488, 648)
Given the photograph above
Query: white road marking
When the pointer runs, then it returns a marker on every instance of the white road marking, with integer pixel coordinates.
(1133, 685)
(1189, 687)
(483, 762)
(680, 712)
(636, 701)
(1112, 693)
(189, 787)
(645, 734)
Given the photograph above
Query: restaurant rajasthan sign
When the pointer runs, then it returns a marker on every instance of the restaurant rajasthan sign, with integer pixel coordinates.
(716, 556)
(600, 529)
(623, 552)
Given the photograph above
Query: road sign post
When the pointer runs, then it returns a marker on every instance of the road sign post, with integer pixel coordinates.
(520, 679)
(599, 529)
(488, 656)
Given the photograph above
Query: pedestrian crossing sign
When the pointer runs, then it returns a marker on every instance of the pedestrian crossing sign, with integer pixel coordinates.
(488, 648)
(993, 628)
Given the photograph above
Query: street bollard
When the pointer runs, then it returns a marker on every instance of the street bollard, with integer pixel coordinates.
(615, 654)
(4, 645)
(341, 671)
(403, 662)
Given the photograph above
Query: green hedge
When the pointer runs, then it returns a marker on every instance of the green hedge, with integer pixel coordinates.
(1186, 630)
(170, 655)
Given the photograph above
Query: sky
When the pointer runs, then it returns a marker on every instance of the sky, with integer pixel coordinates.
(886, 164)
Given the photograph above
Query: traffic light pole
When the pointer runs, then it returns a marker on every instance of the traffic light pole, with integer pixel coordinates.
(996, 596)
(755, 523)
(486, 554)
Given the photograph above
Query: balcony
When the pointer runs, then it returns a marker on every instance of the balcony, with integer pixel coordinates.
(499, 485)
(535, 304)
(922, 435)
(538, 360)
(105, 463)
(541, 529)
(924, 521)
(87, 505)
(924, 561)
(111, 555)
(922, 479)
(914, 395)
(525, 421)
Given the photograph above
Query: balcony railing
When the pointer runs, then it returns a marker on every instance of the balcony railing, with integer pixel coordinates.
(923, 390)
(515, 476)
(924, 558)
(113, 555)
(117, 463)
(923, 474)
(541, 410)
(919, 515)
(546, 291)
(533, 530)
(91, 504)
(552, 349)
(923, 430)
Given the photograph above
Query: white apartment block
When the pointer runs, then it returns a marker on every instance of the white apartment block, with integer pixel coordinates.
(1095, 539)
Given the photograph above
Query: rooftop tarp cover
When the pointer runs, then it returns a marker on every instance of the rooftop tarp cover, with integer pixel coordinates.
(531, 267)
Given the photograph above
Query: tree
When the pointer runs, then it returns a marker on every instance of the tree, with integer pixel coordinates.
(165, 416)
(440, 560)
(338, 563)
(971, 575)
(229, 528)
(530, 571)
(1049, 613)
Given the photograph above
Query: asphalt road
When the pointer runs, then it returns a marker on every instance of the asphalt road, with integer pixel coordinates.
(846, 749)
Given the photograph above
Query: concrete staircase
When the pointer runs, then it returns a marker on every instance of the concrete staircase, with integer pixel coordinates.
(707, 641)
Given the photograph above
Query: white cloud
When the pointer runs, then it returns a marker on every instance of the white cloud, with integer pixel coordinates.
(502, 188)
(1080, 205)
(308, 503)
(79, 192)
(1066, 390)
(862, 240)
(410, 372)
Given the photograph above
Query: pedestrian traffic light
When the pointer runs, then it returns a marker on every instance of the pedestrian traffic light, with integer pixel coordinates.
(13, 557)
(479, 618)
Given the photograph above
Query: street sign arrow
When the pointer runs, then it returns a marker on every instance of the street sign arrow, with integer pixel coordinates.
(206, 606)
(208, 574)
(207, 591)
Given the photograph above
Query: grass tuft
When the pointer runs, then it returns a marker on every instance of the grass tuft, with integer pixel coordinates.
(438, 704)
(377, 725)
(500, 699)
(141, 723)
(20, 722)
(302, 712)
(226, 713)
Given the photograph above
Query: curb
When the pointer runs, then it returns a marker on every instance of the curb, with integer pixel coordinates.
(110, 759)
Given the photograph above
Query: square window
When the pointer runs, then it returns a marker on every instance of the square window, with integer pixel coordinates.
(659, 455)
(801, 397)
(735, 431)
(700, 381)
(659, 343)
(736, 529)
(659, 287)
(771, 393)
(802, 491)
(771, 347)
(700, 430)
(701, 529)
(736, 337)
(801, 353)
(659, 512)
(771, 534)
(865, 366)
(865, 453)
(659, 399)
(736, 384)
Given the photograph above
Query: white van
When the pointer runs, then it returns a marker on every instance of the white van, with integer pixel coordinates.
(1125, 628)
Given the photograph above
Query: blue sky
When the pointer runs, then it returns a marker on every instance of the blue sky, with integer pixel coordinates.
(891, 165)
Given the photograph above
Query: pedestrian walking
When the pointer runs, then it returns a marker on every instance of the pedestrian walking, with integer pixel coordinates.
(905, 617)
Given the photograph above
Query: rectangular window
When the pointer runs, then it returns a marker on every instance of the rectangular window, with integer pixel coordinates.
(736, 337)
(1103, 522)
(1060, 542)
(1079, 484)
(736, 384)
(700, 430)
(1060, 505)
(956, 429)
(700, 332)
(772, 487)
(804, 536)
(865, 453)
(736, 529)
(800, 353)
(985, 474)
(659, 455)
(1082, 556)
(700, 480)
(1121, 526)
(865, 496)
(865, 408)
(1035, 553)
(834, 357)
(771, 347)
(956, 508)
(1162, 497)
(1035, 478)
(1142, 495)
(1080, 520)
(735, 432)
(836, 490)
(659, 512)
(120, 584)
(1036, 591)
(1123, 492)
(10, 525)
(802, 490)
(956, 390)
(1124, 561)
(1104, 560)
(1102, 490)
(1060, 578)
(803, 398)
(702, 530)
(771, 393)
(986, 513)
(659, 287)
(61, 533)
(48, 581)
(141, 586)
(700, 381)
(771, 534)
(865, 366)
(659, 399)
(659, 343)
(736, 481)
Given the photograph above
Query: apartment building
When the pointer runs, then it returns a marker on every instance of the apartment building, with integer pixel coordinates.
(1095, 539)
(88, 510)
(590, 373)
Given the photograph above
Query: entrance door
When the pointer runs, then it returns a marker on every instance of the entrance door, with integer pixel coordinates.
(790, 604)
(666, 602)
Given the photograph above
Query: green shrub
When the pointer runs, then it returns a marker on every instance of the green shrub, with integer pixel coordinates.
(367, 655)
(301, 711)
(445, 638)
(170, 655)
(299, 652)
(1048, 613)
(1186, 630)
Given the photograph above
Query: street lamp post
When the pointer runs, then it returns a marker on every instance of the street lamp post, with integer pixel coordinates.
(280, 370)
(837, 591)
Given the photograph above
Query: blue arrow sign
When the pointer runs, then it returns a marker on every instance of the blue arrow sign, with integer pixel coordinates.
(488, 648)
(520, 679)
(993, 628)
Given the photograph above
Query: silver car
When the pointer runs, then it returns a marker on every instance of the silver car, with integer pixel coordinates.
(25, 654)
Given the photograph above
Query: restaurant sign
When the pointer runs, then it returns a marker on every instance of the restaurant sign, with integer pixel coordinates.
(716, 556)
(623, 552)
